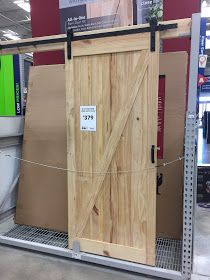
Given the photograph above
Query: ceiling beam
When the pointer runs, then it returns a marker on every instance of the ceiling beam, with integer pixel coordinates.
(10, 11)
(15, 25)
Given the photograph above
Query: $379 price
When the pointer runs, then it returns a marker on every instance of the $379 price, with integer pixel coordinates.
(88, 117)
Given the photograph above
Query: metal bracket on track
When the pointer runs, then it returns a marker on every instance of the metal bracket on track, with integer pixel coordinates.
(76, 253)
(70, 35)
(153, 28)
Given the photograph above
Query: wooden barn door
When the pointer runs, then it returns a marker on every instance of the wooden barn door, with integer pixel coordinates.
(112, 86)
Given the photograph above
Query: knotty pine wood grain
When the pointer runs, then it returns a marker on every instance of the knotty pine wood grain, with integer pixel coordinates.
(118, 209)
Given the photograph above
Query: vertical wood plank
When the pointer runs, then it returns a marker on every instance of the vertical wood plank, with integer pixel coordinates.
(71, 147)
(84, 151)
(97, 66)
(139, 162)
(153, 78)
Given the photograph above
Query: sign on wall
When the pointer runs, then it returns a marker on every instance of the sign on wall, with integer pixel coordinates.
(203, 81)
(85, 15)
(10, 86)
(205, 87)
(147, 9)
(17, 85)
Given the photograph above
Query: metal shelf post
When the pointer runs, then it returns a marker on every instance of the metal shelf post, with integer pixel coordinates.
(190, 162)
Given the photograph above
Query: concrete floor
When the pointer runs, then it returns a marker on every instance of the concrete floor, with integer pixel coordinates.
(16, 264)
(201, 264)
(202, 242)
(203, 149)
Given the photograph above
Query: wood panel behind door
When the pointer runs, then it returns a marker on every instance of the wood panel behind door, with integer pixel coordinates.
(112, 202)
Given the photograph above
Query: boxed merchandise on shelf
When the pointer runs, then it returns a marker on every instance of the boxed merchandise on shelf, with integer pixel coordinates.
(10, 86)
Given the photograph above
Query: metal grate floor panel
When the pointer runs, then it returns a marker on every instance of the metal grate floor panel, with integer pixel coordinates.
(168, 251)
(38, 235)
(169, 254)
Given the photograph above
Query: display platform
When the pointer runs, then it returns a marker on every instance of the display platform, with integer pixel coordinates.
(168, 251)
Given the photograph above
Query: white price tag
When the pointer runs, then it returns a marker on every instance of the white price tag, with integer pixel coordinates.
(88, 118)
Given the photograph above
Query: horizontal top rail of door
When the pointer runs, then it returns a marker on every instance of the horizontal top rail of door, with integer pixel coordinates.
(181, 27)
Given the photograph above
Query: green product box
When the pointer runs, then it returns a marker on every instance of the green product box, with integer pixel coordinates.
(7, 90)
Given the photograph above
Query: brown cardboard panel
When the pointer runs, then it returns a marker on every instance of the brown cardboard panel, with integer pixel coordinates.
(169, 203)
(42, 193)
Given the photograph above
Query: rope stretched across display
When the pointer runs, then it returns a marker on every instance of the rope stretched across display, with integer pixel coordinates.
(88, 172)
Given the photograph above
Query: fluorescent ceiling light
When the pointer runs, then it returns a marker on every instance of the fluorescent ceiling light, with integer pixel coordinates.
(205, 11)
(205, 8)
(11, 37)
(204, 4)
(25, 5)
(29, 54)
(9, 34)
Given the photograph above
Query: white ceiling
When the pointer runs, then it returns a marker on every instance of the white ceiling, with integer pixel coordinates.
(14, 18)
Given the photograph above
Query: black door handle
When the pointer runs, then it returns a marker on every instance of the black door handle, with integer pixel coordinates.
(153, 154)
